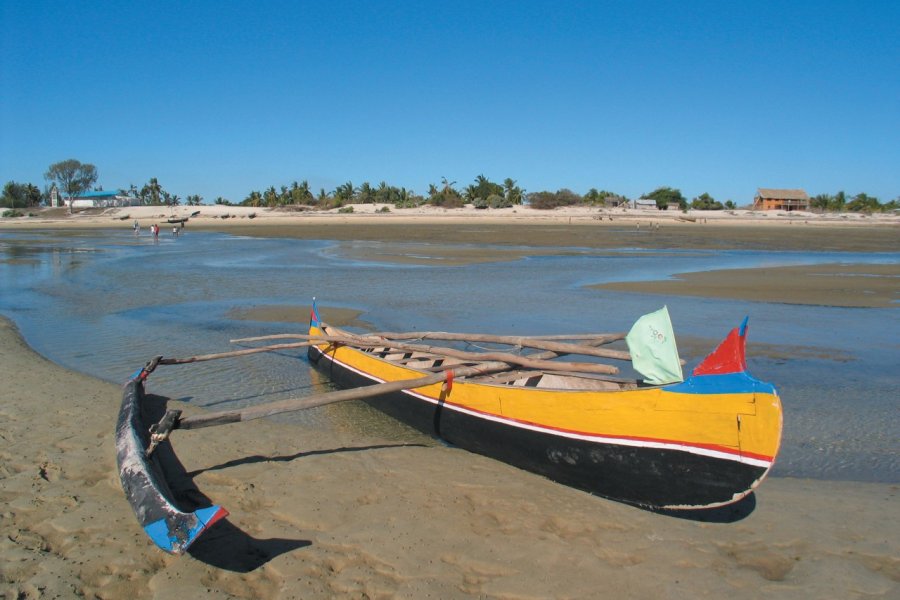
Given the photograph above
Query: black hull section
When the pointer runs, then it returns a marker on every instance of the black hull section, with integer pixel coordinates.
(652, 477)
(145, 486)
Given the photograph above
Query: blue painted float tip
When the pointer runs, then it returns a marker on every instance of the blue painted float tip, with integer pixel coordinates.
(176, 534)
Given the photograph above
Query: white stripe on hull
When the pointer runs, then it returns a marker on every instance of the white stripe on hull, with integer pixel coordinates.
(600, 439)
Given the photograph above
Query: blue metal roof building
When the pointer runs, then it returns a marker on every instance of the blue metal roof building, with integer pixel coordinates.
(104, 198)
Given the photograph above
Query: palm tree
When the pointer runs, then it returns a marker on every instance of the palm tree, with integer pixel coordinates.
(271, 196)
(345, 192)
(300, 193)
(306, 194)
(366, 194)
(254, 199)
(512, 192)
(154, 191)
(383, 193)
(839, 201)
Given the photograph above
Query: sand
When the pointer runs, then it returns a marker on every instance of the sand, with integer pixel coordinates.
(323, 514)
(851, 285)
(345, 514)
(572, 227)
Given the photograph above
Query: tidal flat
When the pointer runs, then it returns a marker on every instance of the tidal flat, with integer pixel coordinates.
(341, 500)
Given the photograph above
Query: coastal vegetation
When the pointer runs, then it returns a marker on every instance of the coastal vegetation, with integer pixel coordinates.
(73, 178)
(859, 203)
(20, 195)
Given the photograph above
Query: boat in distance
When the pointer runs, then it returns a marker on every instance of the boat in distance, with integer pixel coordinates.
(701, 443)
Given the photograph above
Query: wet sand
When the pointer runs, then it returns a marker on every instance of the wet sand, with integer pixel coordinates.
(580, 227)
(318, 514)
(596, 235)
(428, 236)
(852, 285)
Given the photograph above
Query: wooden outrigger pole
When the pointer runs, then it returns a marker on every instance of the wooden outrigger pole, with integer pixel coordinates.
(174, 530)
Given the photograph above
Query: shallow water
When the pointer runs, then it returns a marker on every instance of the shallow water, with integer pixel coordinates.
(104, 302)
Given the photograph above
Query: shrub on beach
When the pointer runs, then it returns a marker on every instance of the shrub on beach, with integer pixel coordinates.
(551, 200)
(492, 201)
(706, 202)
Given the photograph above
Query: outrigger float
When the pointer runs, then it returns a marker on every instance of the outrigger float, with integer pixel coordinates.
(662, 442)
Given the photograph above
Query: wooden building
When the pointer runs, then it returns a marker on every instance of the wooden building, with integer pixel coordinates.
(772, 199)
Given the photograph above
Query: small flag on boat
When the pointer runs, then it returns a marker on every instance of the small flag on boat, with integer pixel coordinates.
(314, 320)
(654, 355)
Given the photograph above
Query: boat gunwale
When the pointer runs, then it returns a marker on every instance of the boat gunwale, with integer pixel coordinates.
(722, 451)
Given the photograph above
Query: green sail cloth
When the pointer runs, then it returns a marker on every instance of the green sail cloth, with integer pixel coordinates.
(654, 355)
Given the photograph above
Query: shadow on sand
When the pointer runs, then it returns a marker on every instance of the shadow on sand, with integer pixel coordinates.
(724, 514)
(225, 546)
(258, 458)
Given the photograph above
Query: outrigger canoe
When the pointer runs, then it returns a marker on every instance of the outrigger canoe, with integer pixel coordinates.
(705, 442)
(697, 443)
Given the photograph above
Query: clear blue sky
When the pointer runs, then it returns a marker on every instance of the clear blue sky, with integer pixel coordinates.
(222, 97)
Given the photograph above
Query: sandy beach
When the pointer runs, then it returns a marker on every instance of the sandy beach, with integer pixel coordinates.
(324, 514)
(585, 227)
(316, 515)
(864, 286)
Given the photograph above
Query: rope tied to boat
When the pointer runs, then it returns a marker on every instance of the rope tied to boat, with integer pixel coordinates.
(448, 382)
(148, 368)
(159, 432)
(514, 348)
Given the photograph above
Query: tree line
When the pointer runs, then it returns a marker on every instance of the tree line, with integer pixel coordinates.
(72, 178)
(483, 193)
(861, 202)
